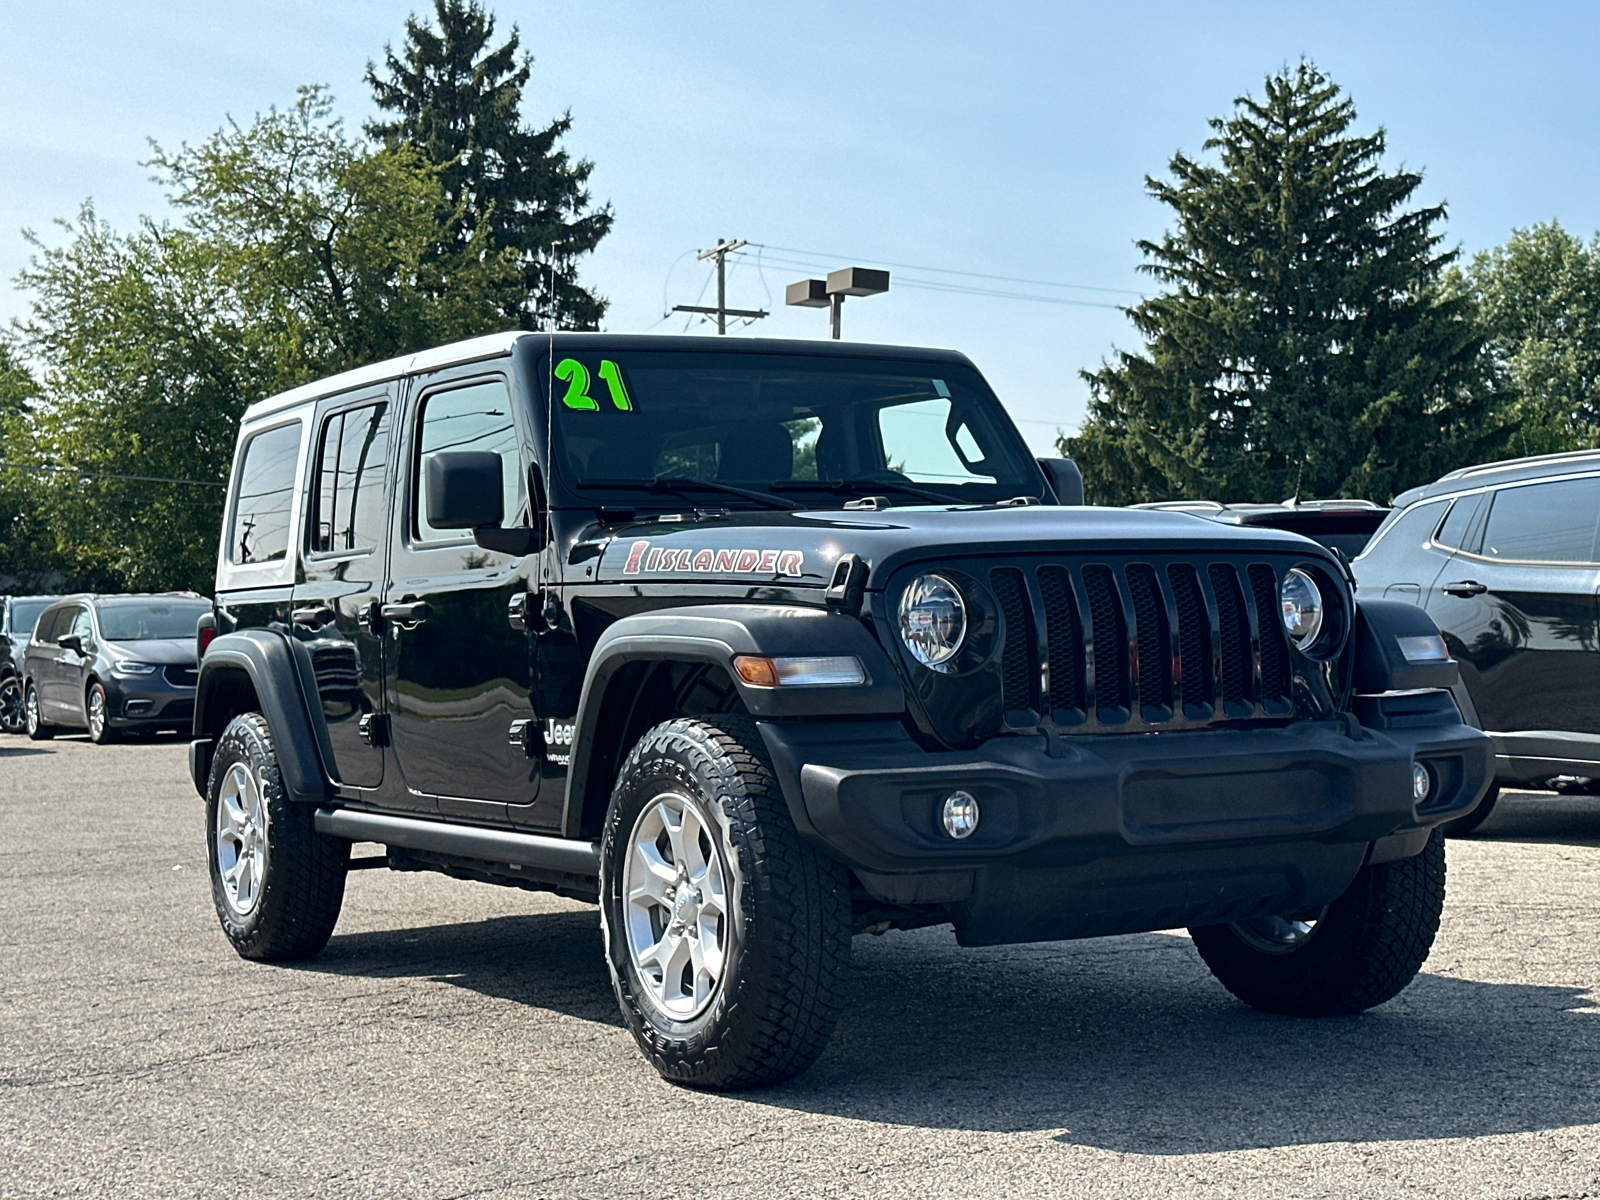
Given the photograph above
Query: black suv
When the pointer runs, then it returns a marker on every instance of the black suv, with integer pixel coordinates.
(112, 664)
(1342, 525)
(1504, 559)
(763, 644)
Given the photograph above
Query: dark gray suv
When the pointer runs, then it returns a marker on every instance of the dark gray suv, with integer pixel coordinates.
(112, 663)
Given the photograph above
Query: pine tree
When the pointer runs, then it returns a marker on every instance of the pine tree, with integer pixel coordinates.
(1304, 344)
(458, 100)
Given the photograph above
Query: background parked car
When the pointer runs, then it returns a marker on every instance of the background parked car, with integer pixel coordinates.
(1343, 525)
(112, 663)
(17, 615)
(1504, 559)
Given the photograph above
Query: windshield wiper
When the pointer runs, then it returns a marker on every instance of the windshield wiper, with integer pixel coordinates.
(864, 487)
(665, 483)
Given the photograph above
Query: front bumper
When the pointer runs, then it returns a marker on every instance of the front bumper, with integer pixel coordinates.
(148, 702)
(1082, 836)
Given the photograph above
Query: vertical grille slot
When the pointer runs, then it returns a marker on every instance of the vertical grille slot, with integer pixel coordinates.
(1110, 638)
(1064, 634)
(1274, 645)
(1235, 630)
(1150, 626)
(1019, 660)
(1194, 635)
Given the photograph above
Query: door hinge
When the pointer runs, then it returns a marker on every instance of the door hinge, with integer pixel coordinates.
(523, 735)
(374, 728)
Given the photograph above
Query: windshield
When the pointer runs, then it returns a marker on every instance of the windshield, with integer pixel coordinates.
(811, 430)
(25, 615)
(153, 619)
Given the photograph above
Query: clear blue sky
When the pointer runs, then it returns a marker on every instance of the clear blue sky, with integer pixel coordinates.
(1010, 139)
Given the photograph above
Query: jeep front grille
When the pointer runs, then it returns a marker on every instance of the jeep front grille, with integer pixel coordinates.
(1135, 644)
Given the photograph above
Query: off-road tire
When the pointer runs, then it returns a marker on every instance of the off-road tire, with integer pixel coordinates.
(303, 885)
(105, 733)
(779, 997)
(1367, 947)
(1468, 822)
(33, 718)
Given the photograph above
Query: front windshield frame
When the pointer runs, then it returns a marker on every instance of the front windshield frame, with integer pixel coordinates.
(963, 388)
(176, 631)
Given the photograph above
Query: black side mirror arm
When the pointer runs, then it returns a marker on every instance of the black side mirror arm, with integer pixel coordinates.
(516, 541)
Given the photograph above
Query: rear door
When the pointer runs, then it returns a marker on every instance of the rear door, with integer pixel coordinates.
(340, 589)
(1518, 607)
(1402, 559)
(459, 675)
(43, 654)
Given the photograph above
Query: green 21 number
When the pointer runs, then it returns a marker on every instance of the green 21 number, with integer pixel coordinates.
(576, 376)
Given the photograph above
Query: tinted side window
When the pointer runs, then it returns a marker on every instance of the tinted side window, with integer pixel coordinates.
(266, 496)
(45, 630)
(351, 462)
(1454, 530)
(476, 417)
(1396, 548)
(1544, 522)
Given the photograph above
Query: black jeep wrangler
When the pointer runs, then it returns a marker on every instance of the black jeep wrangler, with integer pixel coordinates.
(762, 644)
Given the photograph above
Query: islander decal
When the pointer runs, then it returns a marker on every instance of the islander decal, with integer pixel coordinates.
(648, 560)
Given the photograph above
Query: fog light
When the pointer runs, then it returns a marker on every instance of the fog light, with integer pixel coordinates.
(1421, 782)
(136, 708)
(960, 815)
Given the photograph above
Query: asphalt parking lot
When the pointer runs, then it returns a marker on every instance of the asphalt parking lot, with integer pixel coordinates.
(457, 1040)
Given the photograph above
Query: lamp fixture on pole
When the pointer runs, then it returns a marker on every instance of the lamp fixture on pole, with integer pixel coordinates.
(830, 293)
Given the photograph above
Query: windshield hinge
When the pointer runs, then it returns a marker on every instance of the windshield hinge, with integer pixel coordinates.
(848, 588)
(868, 504)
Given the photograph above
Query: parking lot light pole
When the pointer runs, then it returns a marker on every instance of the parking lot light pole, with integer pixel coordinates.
(830, 293)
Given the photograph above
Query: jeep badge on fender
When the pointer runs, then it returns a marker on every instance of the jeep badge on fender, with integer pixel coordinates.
(758, 645)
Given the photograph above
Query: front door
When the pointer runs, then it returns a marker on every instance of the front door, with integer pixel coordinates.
(459, 674)
(337, 599)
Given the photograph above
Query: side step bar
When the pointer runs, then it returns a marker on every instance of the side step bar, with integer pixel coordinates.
(564, 855)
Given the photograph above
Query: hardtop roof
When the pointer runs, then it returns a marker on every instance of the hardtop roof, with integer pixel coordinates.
(496, 345)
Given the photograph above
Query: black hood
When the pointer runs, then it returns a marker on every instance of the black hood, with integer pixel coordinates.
(800, 548)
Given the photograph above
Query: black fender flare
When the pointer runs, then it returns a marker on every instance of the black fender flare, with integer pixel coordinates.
(279, 679)
(714, 634)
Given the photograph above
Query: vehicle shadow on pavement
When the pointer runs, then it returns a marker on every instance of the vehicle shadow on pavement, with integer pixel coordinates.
(1123, 1043)
(1542, 817)
(1129, 1045)
(552, 961)
(19, 751)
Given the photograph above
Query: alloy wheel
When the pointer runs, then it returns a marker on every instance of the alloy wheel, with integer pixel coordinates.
(97, 714)
(1278, 935)
(241, 839)
(12, 719)
(677, 907)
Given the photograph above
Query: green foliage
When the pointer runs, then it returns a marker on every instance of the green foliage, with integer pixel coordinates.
(457, 101)
(299, 253)
(1304, 342)
(1539, 295)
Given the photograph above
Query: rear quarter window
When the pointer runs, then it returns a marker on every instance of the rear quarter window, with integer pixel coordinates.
(264, 504)
(1544, 522)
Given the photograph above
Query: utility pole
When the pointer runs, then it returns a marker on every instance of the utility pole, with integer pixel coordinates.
(722, 312)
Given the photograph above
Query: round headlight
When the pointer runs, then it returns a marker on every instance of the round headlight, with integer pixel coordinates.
(1302, 608)
(933, 619)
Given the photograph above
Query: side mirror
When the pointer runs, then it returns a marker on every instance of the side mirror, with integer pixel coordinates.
(1065, 479)
(464, 489)
(465, 492)
(72, 642)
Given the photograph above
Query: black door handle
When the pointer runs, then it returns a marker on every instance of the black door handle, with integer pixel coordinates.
(1464, 587)
(408, 613)
(314, 618)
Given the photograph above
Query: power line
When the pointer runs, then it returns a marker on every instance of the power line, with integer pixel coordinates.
(1083, 287)
(963, 289)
